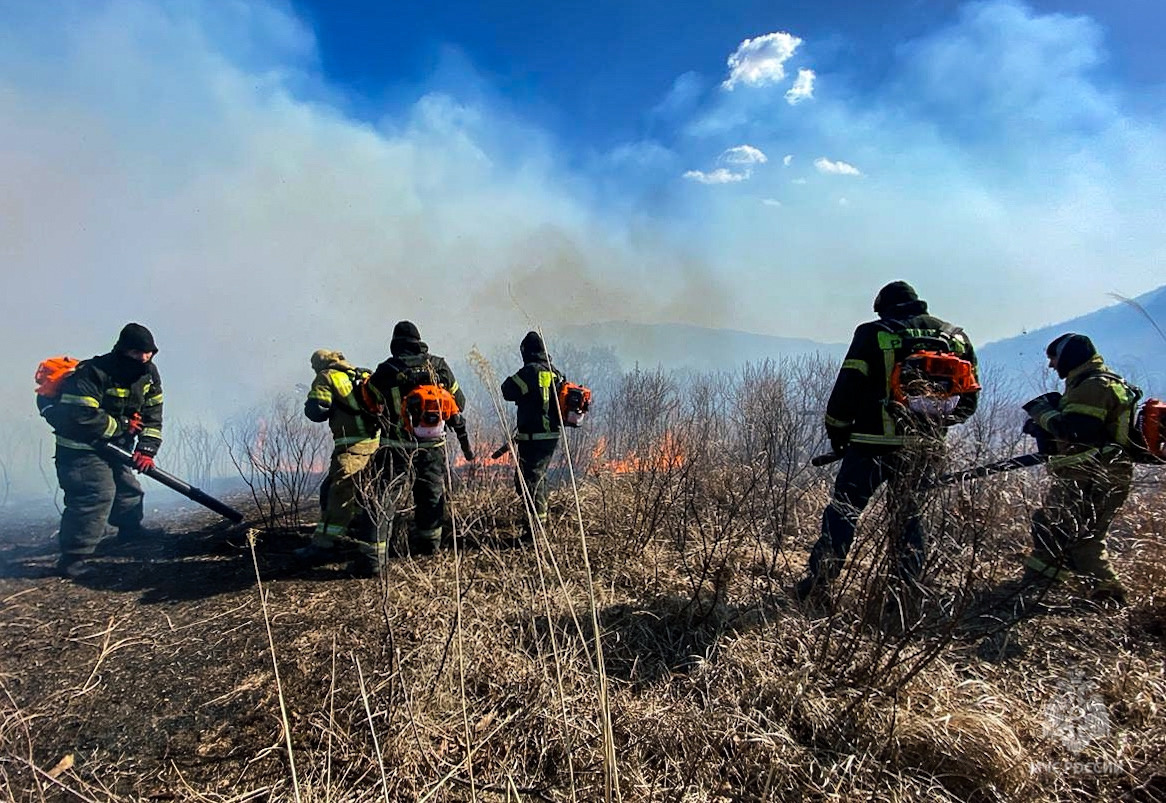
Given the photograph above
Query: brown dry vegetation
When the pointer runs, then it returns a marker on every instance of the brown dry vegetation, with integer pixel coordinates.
(197, 669)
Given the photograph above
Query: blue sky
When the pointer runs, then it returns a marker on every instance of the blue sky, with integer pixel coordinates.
(290, 175)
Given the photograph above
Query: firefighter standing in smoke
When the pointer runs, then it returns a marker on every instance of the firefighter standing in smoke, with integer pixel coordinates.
(1086, 432)
(410, 366)
(333, 398)
(533, 389)
(880, 439)
(115, 397)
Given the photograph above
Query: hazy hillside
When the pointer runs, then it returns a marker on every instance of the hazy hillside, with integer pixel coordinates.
(1128, 341)
(682, 346)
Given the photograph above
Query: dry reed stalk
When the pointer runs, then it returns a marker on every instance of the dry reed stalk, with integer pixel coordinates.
(291, 759)
(372, 729)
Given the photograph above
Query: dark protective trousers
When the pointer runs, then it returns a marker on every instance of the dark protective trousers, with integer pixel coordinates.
(861, 474)
(426, 468)
(534, 459)
(97, 491)
(1070, 526)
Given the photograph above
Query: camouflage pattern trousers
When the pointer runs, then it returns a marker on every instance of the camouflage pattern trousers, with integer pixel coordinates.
(1069, 527)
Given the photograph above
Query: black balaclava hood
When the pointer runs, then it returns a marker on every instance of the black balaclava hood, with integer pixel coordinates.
(406, 340)
(1072, 351)
(134, 336)
(533, 349)
(898, 299)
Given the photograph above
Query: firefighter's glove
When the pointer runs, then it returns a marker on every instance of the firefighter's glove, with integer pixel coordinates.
(134, 424)
(467, 449)
(143, 461)
(1045, 403)
(1044, 440)
(839, 438)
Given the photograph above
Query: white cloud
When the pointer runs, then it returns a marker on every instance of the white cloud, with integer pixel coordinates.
(844, 201)
(798, 181)
(788, 159)
(743, 155)
(825, 165)
(770, 202)
(718, 176)
(761, 60)
(803, 87)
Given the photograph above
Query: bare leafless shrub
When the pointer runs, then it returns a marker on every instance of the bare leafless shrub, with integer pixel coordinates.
(280, 456)
(195, 453)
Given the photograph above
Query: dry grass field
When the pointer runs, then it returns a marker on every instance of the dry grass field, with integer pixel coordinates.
(645, 647)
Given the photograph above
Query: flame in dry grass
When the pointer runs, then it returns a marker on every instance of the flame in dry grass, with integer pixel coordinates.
(668, 454)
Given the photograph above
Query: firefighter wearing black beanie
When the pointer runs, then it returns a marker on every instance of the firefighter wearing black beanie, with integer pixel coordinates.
(884, 438)
(405, 451)
(115, 397)
(1090, 470)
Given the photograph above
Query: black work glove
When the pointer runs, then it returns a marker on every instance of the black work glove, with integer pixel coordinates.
(1044, 440)
(1042, 404)
(839, 438)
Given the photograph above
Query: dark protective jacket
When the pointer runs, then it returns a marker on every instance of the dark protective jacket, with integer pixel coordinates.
(1090, 423)
(391, 381)
(533, 389)
(332, 398)
(861, 404)
(99, 397)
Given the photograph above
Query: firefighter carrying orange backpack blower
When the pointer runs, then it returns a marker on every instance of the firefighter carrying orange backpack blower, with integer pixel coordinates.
(545, 402)
(906, 378)
(112, 398)
(416, 395)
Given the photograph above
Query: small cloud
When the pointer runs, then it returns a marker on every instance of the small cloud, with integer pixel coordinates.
(788, 159)
(825, 165)
(771, 202)
(761, 60)
(743, 155)
(844, 201)
(718, 176)
(798, 181)
(802, 89)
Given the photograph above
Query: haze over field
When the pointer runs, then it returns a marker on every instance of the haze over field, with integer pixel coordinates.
(254, 180)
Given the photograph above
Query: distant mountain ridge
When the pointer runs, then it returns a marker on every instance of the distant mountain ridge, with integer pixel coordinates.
(687, 347)
(1129, 343)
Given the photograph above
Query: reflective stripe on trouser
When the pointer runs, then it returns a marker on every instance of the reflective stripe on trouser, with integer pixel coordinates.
(1070, 526)
(341, 505)
(96, 492)
(861, 474)
(426, 468)
(534, 458)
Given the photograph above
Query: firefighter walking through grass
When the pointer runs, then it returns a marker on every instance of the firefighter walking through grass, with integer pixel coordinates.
(333, 398)
(1090, 473)
(112, 398)
(411, 448)
(533, 389)
(886, 434)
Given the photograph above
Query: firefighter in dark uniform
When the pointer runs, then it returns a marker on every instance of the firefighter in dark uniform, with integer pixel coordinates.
(537, 429)
(1087, 432)
(114, 398)
(402, 453)
(881, 440)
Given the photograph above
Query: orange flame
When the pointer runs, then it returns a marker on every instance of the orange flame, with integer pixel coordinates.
(667, 455)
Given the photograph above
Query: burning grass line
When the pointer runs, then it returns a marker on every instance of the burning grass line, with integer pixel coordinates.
(274, 664)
